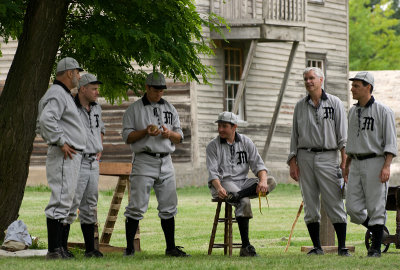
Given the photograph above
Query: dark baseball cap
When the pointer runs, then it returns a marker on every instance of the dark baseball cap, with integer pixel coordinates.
(156, 80)
(364, 76)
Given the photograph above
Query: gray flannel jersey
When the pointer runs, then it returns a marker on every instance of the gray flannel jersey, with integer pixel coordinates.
(58, 118)
(94, 126)
(142, 113)
(232, 162)
(372, 129)
(322, 127)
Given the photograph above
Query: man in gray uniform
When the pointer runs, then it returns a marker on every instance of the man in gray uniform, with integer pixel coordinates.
(86, 194)
(229, 158)
(371, 147)
(61, 127)
(152, 129)
(319, 131)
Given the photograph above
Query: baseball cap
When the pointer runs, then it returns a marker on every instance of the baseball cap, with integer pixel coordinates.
(88, 78)
(157, 80)
(68, 63)
(228, 117)
(364, 76)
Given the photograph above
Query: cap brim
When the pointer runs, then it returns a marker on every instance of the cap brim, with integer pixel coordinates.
(80, 69)
(159, 86)
(96, 82)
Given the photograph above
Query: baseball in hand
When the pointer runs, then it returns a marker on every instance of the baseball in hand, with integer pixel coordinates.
(153, 128)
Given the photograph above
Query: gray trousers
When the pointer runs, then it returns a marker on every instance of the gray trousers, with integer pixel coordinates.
(244, 207)
(320, 174)
(366, 195)
(86, 194)
(62, 177)
(157, 173)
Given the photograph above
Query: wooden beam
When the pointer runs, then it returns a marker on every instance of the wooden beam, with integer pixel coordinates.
(279, 101)
(115, 168)
(245, 73)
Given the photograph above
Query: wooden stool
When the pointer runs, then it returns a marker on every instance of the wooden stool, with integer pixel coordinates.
(227, 220)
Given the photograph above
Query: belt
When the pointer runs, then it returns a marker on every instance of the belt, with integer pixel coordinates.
(159, 155)
(88, 155)
(79, 150)
(317, 150)
(363, 156)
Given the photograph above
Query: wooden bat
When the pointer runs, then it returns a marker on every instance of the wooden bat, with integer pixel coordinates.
(294, 224)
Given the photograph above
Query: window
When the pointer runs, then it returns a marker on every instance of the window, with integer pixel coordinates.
(233, 70)
(317, 60)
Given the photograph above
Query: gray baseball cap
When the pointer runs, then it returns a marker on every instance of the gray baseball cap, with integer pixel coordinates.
(88, 78)
(68, 63)
(228, 117)
(364, 76)
(157, 80)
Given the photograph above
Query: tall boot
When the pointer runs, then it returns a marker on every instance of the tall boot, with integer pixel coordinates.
(54, 250)
(243, 224)
(131, 226)
(340, 229)
(88, 236)
(64, 240)
(313, 230)
(377, 234)
(234, 197)
(168, 226)
(247, 250)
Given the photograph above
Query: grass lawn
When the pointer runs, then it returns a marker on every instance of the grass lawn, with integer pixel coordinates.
(268, 233)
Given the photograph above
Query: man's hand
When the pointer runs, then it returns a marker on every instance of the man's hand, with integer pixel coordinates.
(98, 155)
(68, 151)
(152, 130)
(385, 173)
(166, 133)
(346, 174)
(222, 193)
(294, 169)
(347, 169)
(262, 186)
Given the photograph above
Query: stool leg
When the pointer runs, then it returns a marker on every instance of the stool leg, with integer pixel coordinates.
(226, 229)
(214, 229)
(230, 237)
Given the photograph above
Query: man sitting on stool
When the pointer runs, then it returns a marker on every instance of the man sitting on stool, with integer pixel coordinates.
(229, 157)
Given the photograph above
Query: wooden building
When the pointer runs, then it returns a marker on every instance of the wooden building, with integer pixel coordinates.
(259, 68)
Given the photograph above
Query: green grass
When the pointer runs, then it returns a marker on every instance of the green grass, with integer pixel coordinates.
(268, 233)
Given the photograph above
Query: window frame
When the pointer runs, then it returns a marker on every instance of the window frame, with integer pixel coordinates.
(229, 81)
(318, 57)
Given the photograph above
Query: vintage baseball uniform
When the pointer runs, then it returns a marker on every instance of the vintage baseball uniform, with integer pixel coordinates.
(86, 194)
(230, 163)
(317, 134)
(58, 123)
(372, 133)
(152, 163)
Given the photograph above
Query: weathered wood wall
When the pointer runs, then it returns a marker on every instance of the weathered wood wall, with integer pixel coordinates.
(326, 33)
(114, 148)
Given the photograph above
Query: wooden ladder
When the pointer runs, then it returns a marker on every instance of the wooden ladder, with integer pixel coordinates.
(122, 170)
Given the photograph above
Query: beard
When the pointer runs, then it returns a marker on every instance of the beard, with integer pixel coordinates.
(75, 81)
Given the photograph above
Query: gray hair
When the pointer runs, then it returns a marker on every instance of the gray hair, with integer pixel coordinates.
(318, 72)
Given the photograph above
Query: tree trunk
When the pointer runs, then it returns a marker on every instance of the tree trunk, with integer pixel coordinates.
(26, 83)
